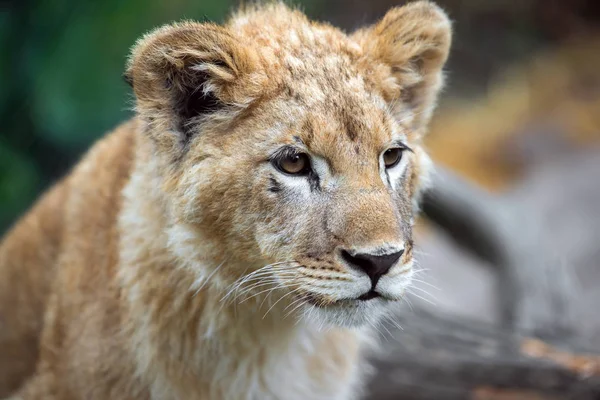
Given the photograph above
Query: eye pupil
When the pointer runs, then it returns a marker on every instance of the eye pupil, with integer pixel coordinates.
(391, 157)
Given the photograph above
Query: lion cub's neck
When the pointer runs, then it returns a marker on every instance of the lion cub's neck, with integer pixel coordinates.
(188, 343)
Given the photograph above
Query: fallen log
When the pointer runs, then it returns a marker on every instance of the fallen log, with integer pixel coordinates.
(446, 358)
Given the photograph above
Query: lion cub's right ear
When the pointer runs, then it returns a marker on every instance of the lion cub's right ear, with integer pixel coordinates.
(414, 41)
(185, 72)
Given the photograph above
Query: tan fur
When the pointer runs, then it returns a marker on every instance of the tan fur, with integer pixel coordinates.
(167, 265)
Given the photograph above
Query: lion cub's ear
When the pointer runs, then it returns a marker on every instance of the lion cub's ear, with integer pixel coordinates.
(184, 72)
(414, 41)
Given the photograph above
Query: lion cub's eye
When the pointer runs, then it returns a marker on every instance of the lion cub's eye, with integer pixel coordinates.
(392, 157)
(293, 163)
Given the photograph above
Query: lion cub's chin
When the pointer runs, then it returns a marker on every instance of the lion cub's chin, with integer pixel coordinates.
(348, 313)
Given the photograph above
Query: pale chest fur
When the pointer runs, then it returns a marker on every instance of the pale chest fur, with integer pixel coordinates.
(307, 368)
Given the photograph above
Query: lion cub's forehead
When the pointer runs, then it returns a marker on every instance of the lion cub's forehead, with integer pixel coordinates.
(308, 56)
(335, 108)
(279, 32)
(346, 130)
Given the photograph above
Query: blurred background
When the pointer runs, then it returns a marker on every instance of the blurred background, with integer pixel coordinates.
(519, 121)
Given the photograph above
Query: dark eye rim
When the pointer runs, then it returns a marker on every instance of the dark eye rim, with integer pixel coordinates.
(288, 151)
(400, 150)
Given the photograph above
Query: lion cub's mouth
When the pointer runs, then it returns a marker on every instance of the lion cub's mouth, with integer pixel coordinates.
(323, 302)
(371, 294)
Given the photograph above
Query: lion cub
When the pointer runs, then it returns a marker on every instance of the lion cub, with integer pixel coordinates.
(239, 235)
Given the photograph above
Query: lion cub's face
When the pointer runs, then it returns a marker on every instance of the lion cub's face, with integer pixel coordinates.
(294, 152)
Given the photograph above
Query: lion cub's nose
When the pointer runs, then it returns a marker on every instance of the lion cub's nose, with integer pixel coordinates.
(373, 265)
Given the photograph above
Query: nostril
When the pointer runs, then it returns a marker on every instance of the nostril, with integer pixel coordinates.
(355, 261)
(373, 265)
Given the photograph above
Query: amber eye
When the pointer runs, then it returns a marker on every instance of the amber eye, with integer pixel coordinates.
(293, 163)
(392, 157)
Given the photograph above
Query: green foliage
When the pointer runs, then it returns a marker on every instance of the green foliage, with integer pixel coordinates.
(77, 96)
(18, 182)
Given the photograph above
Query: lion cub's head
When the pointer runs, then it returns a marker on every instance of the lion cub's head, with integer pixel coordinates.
(291, 152)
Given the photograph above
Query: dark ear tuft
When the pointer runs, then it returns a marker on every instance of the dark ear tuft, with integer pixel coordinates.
(193, 103)
(184, 72)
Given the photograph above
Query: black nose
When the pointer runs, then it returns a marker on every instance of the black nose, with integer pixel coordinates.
(374, 266)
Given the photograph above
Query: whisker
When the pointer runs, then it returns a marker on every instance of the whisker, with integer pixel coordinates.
(271, 282)
(395, 323)
(281, 298)
(259, 282)
(422, 298)
(407, 300)
(374, 326)
(274, 286)
(418, 269)
(266, 270)
(426, 283)
(306, 313)
(299, 303)
(424, 292)
(387, 338)
(419, 272)
(277, 284)
(270, 267)
(210, 276)
(263, 272)
(268, 273)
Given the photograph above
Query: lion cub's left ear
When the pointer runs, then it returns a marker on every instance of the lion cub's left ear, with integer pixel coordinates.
(413, 41)
(183, 73)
